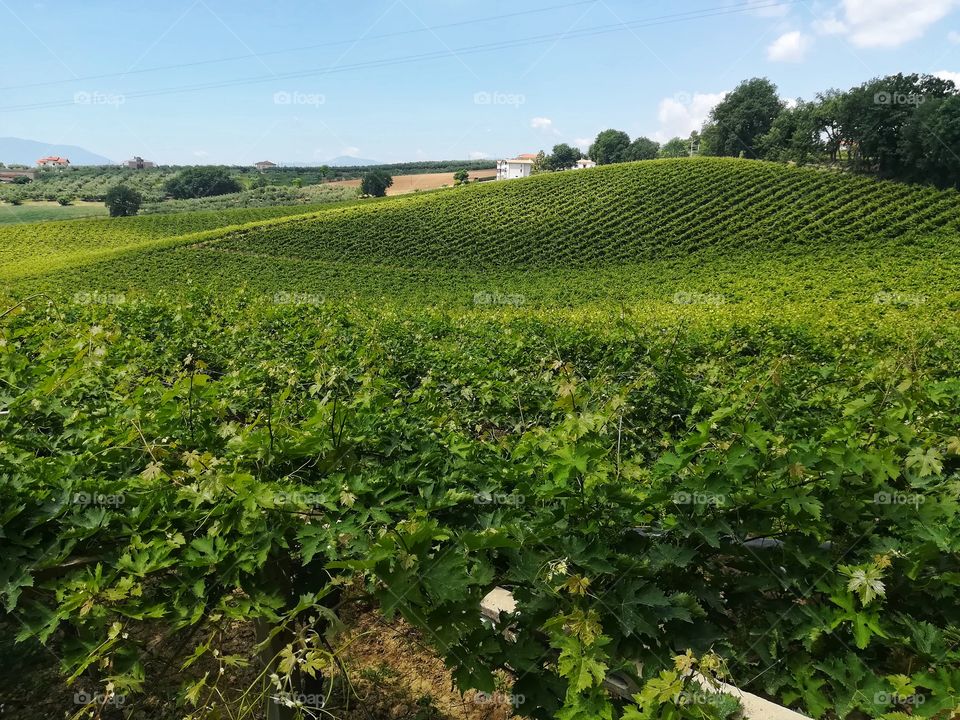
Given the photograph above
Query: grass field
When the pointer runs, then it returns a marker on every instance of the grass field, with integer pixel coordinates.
(38, 211)
(702, 405)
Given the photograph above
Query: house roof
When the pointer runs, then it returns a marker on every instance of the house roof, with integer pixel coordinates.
(527, 156)
(265, 162)
(54, 159)
(520, 161)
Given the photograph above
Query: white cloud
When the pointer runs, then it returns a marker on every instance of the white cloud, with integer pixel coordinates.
(477, 155)
(948, 75)
(885, 23)
(583, 143)
(350, 151)
(790, 103)
(681, 114)
(789, 47)
(953, 37)
(201, 153)
(541, 123)
(829, 25)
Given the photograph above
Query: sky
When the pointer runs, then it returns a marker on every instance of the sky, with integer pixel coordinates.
(238, 81)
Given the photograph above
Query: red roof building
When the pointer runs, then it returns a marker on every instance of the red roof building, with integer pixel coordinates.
(53, 160)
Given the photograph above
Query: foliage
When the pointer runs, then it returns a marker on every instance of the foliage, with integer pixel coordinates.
(675, 148)
(563, 157)
(610, 147)
(201, 182)
(123, 201)
(753, 458)
(64, 201)
(461, 177)
(744, 116)
(375, 183)
(642, 149)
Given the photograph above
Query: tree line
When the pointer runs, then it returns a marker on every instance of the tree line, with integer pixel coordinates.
(899, 127)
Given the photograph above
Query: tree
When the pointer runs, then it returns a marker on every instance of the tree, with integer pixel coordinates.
(872, 118)
(122, 201)
(540, 164)
(642, 149)
(64, 200)
(930, 143)
(200, 182)
(375, 183)
(795, 136)
(742, 118)
(21, 180)
(563, 157)
(461, 177)
(675, 148)
(610, 147)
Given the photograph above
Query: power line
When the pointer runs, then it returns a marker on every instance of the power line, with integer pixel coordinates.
(748, 6)
(301, 48)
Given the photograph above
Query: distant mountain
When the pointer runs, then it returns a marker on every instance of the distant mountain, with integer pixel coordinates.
(348, 161)
(17, 151)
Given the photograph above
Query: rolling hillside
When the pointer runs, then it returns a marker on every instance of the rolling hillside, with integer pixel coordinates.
(750, 232)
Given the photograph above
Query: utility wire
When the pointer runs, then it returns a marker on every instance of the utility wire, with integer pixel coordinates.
(748, 6)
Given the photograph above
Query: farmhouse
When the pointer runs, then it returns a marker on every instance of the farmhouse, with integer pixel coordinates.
(53, 161)
(264, 165)
(584, 163)
(518, 167)
(138, 163)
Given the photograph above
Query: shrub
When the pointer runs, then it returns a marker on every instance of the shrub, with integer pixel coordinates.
(202, 182)
(64, 200)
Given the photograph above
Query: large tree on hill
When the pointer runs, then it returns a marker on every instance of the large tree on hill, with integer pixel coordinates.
(742, 118)
(873, 117)
(929, 149)
(198, 182)
(642, 149)
(795, 136)
(563, 157)
(610, 147)
(675, 148)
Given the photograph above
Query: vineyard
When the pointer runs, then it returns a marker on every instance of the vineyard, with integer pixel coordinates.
(696, 415)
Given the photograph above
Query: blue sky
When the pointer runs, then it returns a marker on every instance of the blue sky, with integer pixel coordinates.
(311, 80)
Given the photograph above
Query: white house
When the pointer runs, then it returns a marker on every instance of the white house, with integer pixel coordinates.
(584, 163)
(518, 167)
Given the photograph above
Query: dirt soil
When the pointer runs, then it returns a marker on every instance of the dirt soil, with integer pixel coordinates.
(403, 184)
(393, 674)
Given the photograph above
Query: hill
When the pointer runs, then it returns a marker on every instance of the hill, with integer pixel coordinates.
(17, 151)
(746, 231)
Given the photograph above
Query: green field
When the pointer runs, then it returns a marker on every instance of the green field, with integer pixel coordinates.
(707, 405)
(43, 211)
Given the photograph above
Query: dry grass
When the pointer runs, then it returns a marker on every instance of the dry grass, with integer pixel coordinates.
(403, 184)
